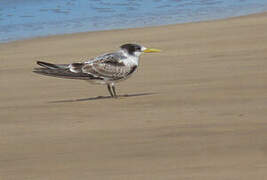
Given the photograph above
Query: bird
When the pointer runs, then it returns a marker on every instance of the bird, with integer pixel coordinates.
(107, 69)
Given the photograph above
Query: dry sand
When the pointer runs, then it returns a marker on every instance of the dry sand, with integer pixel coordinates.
(198, 110)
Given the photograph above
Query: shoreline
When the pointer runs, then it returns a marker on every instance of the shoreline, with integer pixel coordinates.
(196, 110)
(123, 29)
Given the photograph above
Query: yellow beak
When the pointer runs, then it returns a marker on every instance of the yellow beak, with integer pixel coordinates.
(150, 50)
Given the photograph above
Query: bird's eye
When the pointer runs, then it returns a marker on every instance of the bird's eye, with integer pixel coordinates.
(138, 48)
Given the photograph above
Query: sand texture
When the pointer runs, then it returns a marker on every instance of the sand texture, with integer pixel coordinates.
(195, 111)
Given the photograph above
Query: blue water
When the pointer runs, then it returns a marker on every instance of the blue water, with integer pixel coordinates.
(20, 19)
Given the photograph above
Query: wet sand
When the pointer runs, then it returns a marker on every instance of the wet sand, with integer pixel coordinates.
(197, 110)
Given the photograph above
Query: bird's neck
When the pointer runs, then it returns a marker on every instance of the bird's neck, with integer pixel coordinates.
(130, 60)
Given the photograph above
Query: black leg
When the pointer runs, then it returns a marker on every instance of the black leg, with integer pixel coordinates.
(109, 90)
(114, 92)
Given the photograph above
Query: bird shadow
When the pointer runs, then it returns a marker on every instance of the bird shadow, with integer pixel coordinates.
(103, 97)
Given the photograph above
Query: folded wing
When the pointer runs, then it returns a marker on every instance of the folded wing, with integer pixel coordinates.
(109, 66)
(61, 71)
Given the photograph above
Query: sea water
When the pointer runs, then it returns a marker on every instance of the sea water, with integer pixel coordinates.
(20, 19)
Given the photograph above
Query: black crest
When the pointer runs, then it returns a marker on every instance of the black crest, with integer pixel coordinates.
(131, 48)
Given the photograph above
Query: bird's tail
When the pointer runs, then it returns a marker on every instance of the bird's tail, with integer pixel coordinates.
(60, 71)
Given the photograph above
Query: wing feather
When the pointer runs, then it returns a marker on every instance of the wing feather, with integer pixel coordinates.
(107, 66)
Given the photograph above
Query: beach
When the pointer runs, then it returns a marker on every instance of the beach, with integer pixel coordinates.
(197, 110)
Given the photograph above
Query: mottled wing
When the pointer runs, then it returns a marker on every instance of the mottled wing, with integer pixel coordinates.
(109, 66)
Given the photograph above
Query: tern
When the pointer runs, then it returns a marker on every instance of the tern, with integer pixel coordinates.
(106, 69)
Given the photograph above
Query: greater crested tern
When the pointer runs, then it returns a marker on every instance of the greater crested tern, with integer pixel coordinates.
(106, 69)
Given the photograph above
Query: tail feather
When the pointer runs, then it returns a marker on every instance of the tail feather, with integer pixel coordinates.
(62, 74)
(61, 71)
(47, 65)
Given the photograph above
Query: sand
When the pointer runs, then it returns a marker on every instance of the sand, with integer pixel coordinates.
(197, 110)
